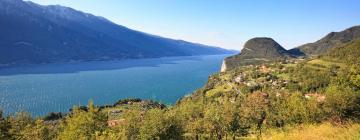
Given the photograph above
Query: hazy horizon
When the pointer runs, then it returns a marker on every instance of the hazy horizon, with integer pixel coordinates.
(227, 24)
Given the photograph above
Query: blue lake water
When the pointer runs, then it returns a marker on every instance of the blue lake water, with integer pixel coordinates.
(57, 87)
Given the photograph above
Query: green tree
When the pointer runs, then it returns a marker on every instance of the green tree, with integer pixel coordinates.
(342, 102)
(159, 125)
(81, 125)
(355, 75)
(254, 109)
(130, 128)
(19, 122)
(36, 131)
(191, 114)
(296, 111)
(233, 123)
(4, 127)
(214, 120)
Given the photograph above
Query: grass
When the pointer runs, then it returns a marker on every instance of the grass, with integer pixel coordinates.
(118, 108)
(227, 77)
(323, 131)
(218, 90)
(290, 65)
(325, 63)
(284, 76)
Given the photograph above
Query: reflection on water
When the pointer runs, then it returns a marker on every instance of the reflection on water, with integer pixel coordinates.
(57, 87)
(94, 66)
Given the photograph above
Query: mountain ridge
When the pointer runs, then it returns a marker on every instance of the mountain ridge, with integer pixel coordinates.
(33, 34)
(320, 47)
(328, 42)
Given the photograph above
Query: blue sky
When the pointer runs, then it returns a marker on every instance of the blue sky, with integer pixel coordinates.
(227, 23)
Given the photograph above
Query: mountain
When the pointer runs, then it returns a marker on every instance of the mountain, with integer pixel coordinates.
(330, 41)
(256, 50)
(262, 50)
(32, 34)
(347, 53)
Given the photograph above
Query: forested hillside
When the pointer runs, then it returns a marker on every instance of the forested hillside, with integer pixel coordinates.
(345, 53)
(330, 41)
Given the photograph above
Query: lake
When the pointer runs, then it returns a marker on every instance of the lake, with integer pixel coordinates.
(40, 89)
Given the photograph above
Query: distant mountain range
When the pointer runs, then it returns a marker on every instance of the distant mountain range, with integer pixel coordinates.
(330, 41)
(33, 34)
(263, 50)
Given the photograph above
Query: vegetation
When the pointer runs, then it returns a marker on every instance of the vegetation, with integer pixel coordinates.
(330, 41)
(323, 131)
(257, 51)
(293, 99)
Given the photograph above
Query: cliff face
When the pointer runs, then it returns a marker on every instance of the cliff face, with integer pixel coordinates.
(223, 66)
(255, 51)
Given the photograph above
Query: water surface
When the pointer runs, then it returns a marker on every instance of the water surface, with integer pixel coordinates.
(57, 87)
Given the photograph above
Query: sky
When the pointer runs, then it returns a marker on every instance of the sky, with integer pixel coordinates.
(226, 23)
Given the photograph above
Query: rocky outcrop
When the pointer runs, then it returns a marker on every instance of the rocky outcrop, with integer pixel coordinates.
(255, 51)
